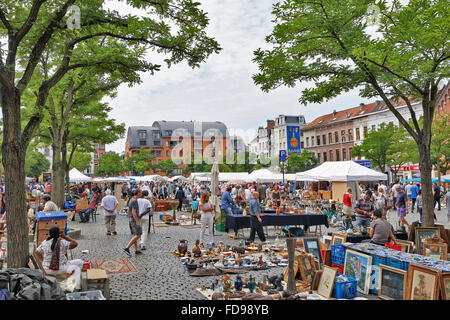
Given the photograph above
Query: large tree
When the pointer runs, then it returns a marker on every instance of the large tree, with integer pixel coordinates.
(35, 163)
(327, 43)
(110, 164)
(172, 27)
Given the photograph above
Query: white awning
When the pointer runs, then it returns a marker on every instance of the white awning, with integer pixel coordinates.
(76, 176)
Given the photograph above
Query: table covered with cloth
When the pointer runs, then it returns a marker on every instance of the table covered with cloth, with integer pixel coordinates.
(238, 221)
(359, 238)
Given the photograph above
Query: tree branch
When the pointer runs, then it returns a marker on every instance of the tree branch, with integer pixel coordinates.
(6, 22)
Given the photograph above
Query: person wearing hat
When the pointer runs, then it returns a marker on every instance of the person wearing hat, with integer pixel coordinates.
(53, 253)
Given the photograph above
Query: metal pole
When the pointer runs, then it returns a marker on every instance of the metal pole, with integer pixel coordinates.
(283, 172)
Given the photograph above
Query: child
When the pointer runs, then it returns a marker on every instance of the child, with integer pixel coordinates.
(331, 212)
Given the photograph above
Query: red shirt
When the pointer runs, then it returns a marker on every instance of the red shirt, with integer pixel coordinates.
(347, 201)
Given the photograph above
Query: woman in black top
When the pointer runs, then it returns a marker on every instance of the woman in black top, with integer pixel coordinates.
(276, 195)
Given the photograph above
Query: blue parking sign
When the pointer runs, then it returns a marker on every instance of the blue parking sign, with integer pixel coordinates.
(283, 155)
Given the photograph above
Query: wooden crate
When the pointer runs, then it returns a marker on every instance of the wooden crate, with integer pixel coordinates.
(43, 229)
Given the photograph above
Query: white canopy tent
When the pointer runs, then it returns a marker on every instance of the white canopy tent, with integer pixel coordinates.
(264, 175)
(229, 176)
(341, 171)
(76, 176)
(178, 178)
(113, 179)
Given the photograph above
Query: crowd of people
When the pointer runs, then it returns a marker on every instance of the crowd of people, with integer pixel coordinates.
(371, 210)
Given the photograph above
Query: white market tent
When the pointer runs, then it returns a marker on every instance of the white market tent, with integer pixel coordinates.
(177, 178)
(114, 179)
(229, 176)
(341, 171)
(264, 175)
(76, 176)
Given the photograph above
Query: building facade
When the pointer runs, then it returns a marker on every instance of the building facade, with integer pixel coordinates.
(263, 143)
(288, 134)
(180, 141)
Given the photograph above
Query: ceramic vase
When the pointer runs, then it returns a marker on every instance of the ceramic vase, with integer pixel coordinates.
(182, 246)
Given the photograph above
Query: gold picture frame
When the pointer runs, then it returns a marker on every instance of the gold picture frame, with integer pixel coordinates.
(423, 233)
(306, 264)
(423, 283)
(338, 238)
(326, 282)
(392, 281)
(437, 250)
(445, 286)
(407, 246)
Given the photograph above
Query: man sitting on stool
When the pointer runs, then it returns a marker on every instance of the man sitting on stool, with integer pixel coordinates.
(255, 219)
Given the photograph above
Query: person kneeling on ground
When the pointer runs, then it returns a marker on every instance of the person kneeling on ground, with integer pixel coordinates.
(380, 230)
(53, 252)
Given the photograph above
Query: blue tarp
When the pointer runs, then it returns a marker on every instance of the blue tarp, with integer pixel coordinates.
(418, 180)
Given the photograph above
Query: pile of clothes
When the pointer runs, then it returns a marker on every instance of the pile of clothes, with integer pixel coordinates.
(27, 284)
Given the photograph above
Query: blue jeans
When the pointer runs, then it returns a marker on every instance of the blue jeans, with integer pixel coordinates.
(86, 213)
(413, 204)
(363, 222)
(228, 211)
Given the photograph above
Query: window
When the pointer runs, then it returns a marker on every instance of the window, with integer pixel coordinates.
(331, 155)
(337, 155)
(344, 154)
(324, 140)
(174, 153)
(156, 153)
(350, 134)
(142, 134)
(324, 156)
(358, 137)
(373, 127)
(307, 141)
(318, 156)
(350, 153)
(167, 153)
(312, 141)
(302, 145)
(318, 140)
(343, 135)
(330, 137)
(168, 132)
(365, 132)
(336, 137)
(391, 123)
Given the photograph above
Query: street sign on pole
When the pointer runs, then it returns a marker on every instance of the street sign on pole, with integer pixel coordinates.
(283, 156)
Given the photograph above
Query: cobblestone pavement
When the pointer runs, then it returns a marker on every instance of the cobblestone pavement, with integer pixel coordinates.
(161, 276)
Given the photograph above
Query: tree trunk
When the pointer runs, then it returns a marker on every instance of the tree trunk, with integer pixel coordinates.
(13, 153)
(58, 176)
(426, 185)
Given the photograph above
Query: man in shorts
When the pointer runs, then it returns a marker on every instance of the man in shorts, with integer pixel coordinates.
(134, 221)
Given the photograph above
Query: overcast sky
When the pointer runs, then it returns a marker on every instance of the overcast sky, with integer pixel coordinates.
(222, 89)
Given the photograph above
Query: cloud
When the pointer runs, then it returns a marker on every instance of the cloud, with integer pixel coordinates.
(222, 89)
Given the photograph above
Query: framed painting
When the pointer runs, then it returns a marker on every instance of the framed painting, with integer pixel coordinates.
(423, 283)
(316, 280)
(326, 282)
(306, 265)
(445, 286)
(435, 250)
(312, 246)
(392, 283)
(358, 266)
(338, 238)
(423, 234)
(326, 241)
(286, 271)
(407, 246)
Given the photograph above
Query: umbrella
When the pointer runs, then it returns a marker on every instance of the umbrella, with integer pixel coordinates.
(215, 188)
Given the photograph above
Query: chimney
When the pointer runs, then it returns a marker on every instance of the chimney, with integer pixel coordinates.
(361, 106)
(334, 113)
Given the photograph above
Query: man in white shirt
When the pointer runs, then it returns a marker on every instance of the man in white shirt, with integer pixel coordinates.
(48, 204)
(109, 205)
(248, 194)
(408, 193)
(145, 207)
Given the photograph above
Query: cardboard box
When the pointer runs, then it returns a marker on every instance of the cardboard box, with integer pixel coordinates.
(82, 204)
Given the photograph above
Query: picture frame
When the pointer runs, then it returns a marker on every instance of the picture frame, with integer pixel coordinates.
(286, 271)
(326, 283)
(338, 238)
(407, 246)
(311, 245)
(445, 286)
(316, 280)
(358, 266)
(326, 241)
(392, 283)
(306, 265)
(423, 283)
(436, 250)
(424, 233)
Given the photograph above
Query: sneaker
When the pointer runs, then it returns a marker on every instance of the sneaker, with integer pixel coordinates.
(127, 251)
(108, 233)
(143, 248)
(115, 233)
(138, 252)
